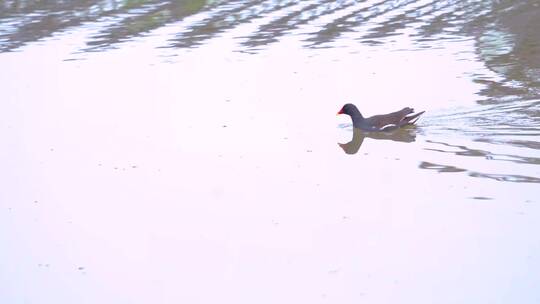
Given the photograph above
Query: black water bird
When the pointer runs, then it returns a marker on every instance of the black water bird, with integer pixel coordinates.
(384, 122)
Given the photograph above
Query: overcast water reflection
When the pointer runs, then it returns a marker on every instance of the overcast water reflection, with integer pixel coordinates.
(185, 151)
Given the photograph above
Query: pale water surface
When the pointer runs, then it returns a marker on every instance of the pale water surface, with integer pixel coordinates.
(187, 152)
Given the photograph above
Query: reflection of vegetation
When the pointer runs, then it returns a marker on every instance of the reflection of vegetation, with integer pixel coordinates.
(226, 19)
(129, 4)
(272, 31)
(38, 19)
(498, 177)
(505, 31)
(154, 17)
(509, 44)
(465, 151)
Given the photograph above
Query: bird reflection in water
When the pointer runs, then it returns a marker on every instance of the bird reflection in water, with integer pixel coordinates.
(406, 134)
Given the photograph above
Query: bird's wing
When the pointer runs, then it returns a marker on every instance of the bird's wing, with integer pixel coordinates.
(394, 118)
(411, 119)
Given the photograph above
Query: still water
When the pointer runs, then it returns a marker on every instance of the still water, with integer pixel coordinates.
(188, 152)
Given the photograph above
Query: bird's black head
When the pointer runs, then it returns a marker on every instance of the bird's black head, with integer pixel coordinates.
(350, 110)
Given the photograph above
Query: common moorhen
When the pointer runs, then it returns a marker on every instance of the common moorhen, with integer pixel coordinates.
(385, 122)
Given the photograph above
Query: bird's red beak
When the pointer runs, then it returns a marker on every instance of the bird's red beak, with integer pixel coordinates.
(340, 112)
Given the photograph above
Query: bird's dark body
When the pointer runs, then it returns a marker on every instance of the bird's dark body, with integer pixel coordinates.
(385, 122)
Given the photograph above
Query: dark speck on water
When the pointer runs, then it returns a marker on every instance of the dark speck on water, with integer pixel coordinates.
(333, 271)
(483, 198)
